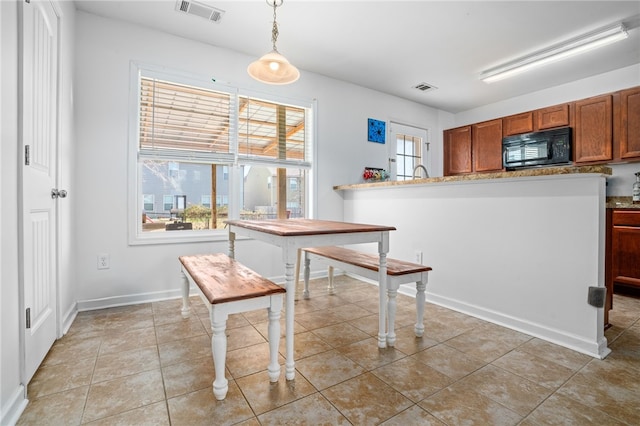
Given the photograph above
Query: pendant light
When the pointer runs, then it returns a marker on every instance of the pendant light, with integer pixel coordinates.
(273, 68)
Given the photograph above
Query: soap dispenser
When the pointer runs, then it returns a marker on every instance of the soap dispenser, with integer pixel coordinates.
(635, 198)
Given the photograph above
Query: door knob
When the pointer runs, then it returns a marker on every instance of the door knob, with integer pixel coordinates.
(55, 193)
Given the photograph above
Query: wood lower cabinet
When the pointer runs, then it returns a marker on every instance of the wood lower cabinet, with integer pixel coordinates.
(630, 124)
(486, 146)
(622, 259)
(457, 151)
(625, 247)
(593, 132)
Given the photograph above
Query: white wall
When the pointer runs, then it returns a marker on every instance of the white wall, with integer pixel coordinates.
(519, 252)
(104, 49)
(622, 180)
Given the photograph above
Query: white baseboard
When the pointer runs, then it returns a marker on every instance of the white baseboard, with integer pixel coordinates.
(129, 299)
(12, 410)
(134, 299)
(559, 337)
(595, 349)
(68, 317)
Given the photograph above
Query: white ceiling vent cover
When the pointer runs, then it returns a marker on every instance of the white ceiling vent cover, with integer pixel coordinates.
(202, 10)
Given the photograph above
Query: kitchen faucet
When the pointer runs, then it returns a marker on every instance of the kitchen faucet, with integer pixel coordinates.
(420, 166)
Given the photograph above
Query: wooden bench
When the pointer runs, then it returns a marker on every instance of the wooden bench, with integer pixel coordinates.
(367, 265)
(228, 287)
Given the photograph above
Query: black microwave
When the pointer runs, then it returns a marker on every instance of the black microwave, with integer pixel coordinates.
(549, 147)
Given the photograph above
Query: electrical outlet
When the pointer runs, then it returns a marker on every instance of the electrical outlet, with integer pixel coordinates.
(103, 261)
(419, 257)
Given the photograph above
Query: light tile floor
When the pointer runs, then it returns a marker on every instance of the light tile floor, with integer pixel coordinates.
(145, 365)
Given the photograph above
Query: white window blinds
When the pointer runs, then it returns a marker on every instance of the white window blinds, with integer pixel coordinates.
(184, 122)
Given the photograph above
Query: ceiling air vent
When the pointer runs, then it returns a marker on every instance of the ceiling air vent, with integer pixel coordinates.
(424, 87)
(202, 10)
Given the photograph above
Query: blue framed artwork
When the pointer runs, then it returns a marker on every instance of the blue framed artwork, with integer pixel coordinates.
(376, 130)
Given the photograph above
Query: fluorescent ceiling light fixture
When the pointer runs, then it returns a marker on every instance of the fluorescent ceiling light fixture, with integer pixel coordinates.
(273, 68)
(557, 52)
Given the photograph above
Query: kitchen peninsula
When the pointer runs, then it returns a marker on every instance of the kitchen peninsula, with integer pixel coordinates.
(519, 249)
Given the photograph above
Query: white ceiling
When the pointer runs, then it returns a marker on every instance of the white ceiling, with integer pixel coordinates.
(391, 46)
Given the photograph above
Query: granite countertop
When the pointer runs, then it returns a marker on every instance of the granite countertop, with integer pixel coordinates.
(548, 171)
(621, 203)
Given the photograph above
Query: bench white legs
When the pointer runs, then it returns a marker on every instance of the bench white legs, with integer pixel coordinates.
(219, 313)
(393, 283)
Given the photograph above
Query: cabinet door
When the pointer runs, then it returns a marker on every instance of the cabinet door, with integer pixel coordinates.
(593, 130)
(630, 123)
(626, 252)
(555, 116)
(457, 151)
(487, 146)
(518, 124)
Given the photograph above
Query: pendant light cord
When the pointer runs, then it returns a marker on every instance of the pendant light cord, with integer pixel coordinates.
(274, 31)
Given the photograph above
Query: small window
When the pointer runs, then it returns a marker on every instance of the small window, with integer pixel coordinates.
(167, 202)
(205, 200)
(148, 202)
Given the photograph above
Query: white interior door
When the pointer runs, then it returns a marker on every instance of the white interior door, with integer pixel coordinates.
(39, 76)
(406, 163)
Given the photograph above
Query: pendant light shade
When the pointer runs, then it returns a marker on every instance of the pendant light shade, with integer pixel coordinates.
(273, 68)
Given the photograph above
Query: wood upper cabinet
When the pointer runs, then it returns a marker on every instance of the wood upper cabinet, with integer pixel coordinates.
(540, 119)
(457, 151)
(518, 124)
(486, 144)
(630, 123)
(593, 130)
(550, 117)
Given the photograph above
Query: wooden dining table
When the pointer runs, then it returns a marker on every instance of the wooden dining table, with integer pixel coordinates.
(294, 234)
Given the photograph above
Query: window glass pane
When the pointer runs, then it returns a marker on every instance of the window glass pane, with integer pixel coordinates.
(182, 195)
(408, 147)
(270, 130)
(400, 145)
(167, 201)
(409, 165)
(260, 192)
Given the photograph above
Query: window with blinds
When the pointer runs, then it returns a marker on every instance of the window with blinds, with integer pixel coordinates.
(224, 152)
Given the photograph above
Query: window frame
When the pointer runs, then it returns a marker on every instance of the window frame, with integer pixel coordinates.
(134, 228)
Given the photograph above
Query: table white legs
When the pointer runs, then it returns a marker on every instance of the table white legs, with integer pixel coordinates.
(290, 296)
(383, 248)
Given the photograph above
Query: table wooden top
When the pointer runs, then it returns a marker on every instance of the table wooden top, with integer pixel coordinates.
(298, 227)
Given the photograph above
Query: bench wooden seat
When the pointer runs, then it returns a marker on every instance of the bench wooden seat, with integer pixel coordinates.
(367, 265)
(228, 287)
